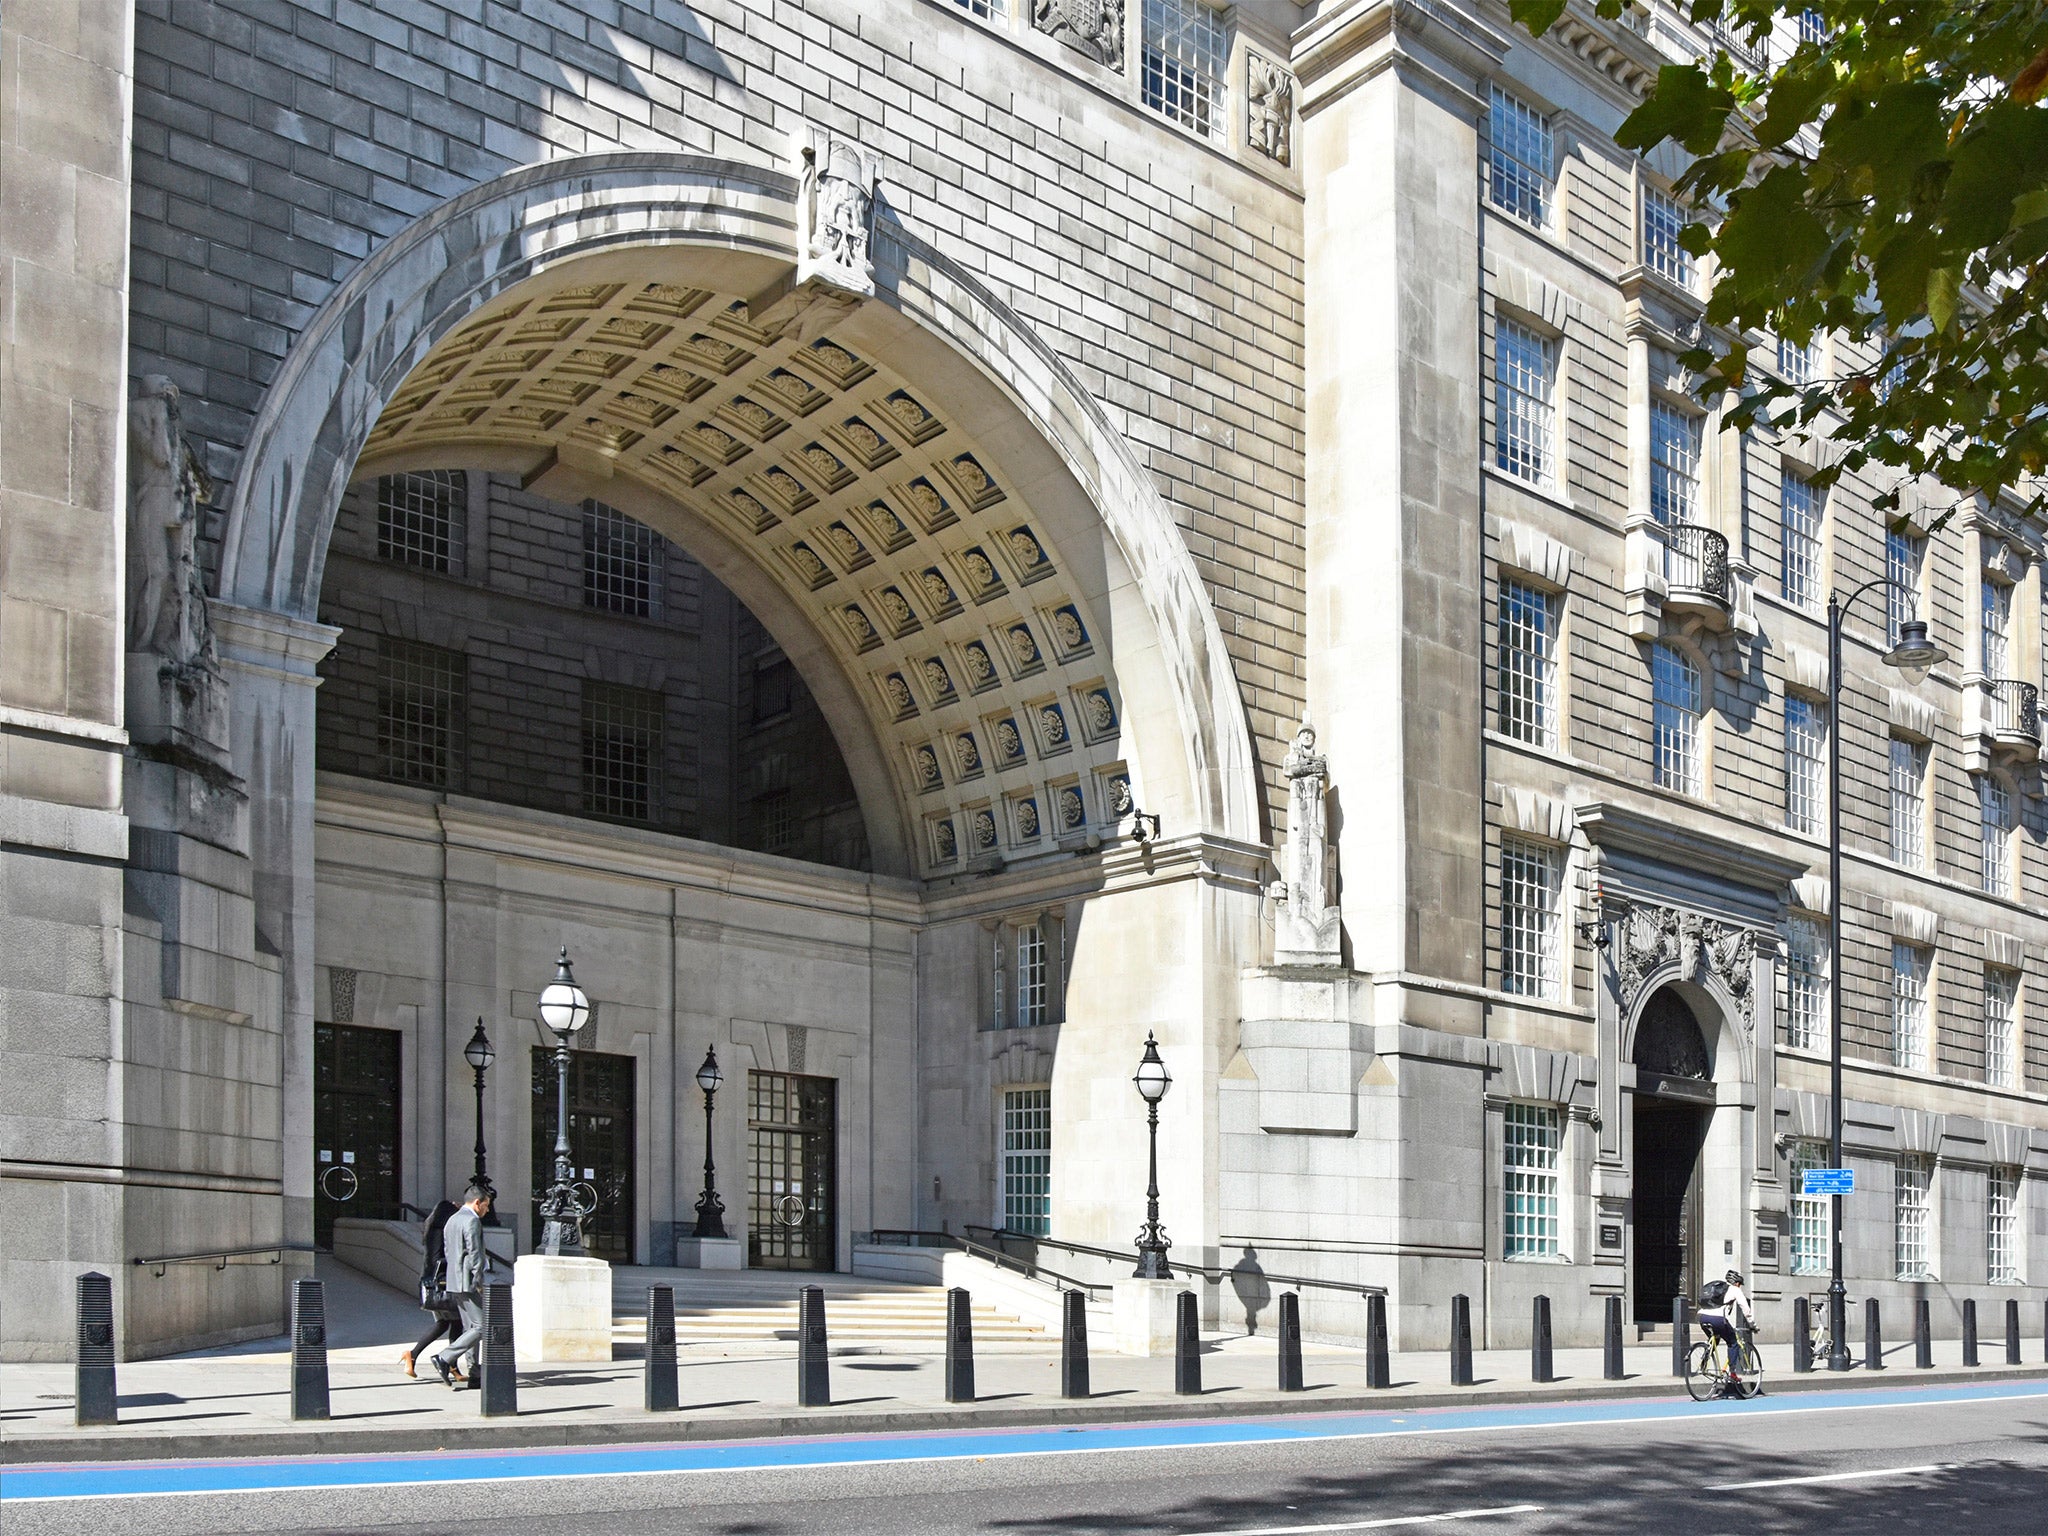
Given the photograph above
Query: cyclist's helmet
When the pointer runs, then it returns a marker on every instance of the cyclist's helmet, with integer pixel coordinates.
(1735, 1277)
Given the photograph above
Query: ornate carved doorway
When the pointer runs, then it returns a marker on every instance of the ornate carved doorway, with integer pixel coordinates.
(1674, 1103)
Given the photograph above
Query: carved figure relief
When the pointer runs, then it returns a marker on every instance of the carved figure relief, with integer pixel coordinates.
(1269, 106)
(1092, 28)
(166, 594)
(835, 209)
(1306, 924)
(1653, 937)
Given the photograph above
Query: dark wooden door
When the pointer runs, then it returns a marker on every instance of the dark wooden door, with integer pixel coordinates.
(355, 1126)
(601, 1144)
(792, 1139)
(1669, 1135)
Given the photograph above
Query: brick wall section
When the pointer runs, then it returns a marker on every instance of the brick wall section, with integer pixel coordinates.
(278, 142)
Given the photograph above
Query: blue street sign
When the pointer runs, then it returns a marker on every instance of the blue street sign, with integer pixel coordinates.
(1828, 1181)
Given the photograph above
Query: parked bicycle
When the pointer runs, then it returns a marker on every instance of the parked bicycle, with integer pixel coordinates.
(1822, 1340)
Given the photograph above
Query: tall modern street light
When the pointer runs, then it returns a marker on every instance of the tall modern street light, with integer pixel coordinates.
(710, 1209)
(479, 1055)
(1153, 1080)
(1915, 655)
(564, 1008)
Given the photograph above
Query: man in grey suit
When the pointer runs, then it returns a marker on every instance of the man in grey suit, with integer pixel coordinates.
(468, 1267)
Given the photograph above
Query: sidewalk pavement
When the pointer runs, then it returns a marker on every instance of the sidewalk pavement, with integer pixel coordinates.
(235, 1402)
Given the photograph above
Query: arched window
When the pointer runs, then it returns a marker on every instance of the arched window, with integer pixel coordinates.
(1677, 702)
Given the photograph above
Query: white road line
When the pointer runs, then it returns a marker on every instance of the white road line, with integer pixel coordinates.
(1833, 1477)
(1380, 1525)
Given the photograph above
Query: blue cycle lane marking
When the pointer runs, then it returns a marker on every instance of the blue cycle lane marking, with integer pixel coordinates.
(264, 1474)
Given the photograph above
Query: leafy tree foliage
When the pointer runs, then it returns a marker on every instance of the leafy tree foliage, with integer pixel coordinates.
(1877, 170)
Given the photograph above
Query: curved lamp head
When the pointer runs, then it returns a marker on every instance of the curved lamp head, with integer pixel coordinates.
(1152, 1077)
(478, 1052)
(563, 1006)
(1915, 654)
(708, 1075)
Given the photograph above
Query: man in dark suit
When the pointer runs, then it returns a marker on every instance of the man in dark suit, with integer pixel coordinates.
(468, 1267)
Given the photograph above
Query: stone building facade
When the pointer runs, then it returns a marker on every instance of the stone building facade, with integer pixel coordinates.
(836, 514)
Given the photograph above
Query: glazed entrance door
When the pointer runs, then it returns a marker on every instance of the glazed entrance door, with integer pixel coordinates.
(792, 1133)
(1669, 1135)
(601, 1145)
(355, 1126)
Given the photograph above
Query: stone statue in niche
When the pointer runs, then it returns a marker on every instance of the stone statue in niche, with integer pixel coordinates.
(1092, 28)
(1269, 106)
(835, 214)
(1307, 926)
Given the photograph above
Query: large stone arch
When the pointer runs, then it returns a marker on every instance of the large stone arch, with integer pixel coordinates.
(1718, 1012)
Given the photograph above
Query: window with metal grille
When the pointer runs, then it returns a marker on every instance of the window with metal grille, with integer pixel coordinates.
(1674, 463)
(1524, 383)
(420, 698)
(1910, 965)
(1796, 362)
(2001, 1027)
(777, 816)
(1027, 1160)
(1806, 984)
(1030, 975)
(1994, 834)
(1995, 627)
(1812, 28)
(1532, 1135)
(1520, 155)
(622, 562)
(987, 10)
(420, 519)
(1904, 554)
(1675, 711)
(1186, 49)
(1662, 220)
(1799, 510)
(1810, 1213)
(1531, 888)
(1912, 1222)
(621, 751)
(1527, 635)
(1806, 763)
(1909, 802)
(2002, 1226)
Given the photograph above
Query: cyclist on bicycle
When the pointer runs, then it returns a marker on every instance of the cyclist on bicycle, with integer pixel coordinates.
(1724, 1308)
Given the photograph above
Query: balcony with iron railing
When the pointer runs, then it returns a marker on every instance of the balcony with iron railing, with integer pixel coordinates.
(1696, 578)
(2010, 713)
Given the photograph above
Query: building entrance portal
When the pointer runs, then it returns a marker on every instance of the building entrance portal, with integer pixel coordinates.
(792, 1133)
(1674, 1104)
(601, 1144)
(355, 1126)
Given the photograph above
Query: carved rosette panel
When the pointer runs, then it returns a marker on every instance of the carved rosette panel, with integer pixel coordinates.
(1653, 937)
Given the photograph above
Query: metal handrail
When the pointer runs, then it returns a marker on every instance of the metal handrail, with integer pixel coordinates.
(1029, 1268)
(220, 1256)
(2015, 708)
(1211, 1272)
(1696, 559)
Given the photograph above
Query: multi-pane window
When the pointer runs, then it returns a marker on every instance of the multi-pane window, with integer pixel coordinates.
(420, 519)
(775, 813)
(1532, 1135)
(419, 713)
(1909, 802)
(1528, 663)
(1912, 1219)
(1806, 984)
(1662, 221)
(1910, 964)
(1531, 893)
(1799, 507)
(621, 751)
(1674, 463)
(622, 562)
(1904, 553)
(1812, 27)
(1520, 154)
(987, 10)
(1185, 54)
(1525, 383)
(1995, 627)
(1676, 707)
(1994, 834)
(1027, 1160)
(2002, 1226)
(1030, 975)
(1810, 1213)
(2001, 1027)
(1795, 362)
(1806, 763)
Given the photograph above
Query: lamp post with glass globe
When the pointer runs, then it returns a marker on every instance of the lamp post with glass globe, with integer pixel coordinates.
(1153, 1080)
(479, 1055)
(1914, 656)
(710, 1209)
(564, 1008)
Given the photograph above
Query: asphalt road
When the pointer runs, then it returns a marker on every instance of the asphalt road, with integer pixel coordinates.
(1896, 1461)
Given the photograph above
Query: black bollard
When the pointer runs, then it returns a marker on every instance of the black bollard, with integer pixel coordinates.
(813, 1365)
(1074, 1346)
(1378, 1370)
(2012, 1331)
(1681, 1333)
(1802, 1335)
(498, 1355)
(1539, 1341)
(1613, 1364)
(1290, 1342)
(1461, 1341)
(1969, 1331)
(959, 1346)
(94, 1400)
(1187, 1342)
(661, 1393)
(309, 1351)
(1873, 1336)
(1923, 1337)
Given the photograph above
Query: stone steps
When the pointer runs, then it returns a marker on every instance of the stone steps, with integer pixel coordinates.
(859, 1312)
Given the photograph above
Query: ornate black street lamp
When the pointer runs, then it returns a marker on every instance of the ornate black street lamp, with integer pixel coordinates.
(564, 1009)
(1915, 655)
(1153, 1080)
(479, 1055)
(710, 1209)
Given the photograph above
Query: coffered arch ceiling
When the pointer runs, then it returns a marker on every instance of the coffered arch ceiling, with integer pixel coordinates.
(889, 517)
